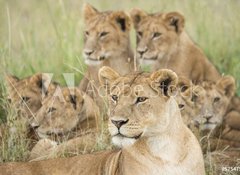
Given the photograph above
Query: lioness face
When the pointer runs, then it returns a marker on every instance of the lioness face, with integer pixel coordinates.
(106, 35)
(59, 113)
(139, 104)
(157, 34)
(212, 104)
(26, 94)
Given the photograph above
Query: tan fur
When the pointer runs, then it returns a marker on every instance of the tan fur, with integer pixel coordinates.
(67, 113)
(163, 43)
(155, 141)
(106, 43)
(26, 94)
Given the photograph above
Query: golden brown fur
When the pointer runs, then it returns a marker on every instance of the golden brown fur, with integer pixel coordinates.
(26, 94)
(155, 141)
(163, 43)
(106, 43)
(67, 113)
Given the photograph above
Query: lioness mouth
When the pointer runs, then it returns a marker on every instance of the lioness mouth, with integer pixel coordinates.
(135, 137)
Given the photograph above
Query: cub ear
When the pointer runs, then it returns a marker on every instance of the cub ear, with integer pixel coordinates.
(227, 84)
(41, 80)
(164, 80)
(184, 84)
(122, 20)
(106, 76)
(137, 15)
(11, 80)
(89, 11)
(175, 21)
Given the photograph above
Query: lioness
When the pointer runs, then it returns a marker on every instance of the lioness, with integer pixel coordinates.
(106, 43)
(163, 43)
(145, 121)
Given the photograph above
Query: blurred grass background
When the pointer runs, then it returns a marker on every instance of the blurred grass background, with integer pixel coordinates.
(46, 35)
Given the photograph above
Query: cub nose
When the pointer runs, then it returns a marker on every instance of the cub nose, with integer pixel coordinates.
(141, 51)
(208, 116)
(119, 123)
(88, 52)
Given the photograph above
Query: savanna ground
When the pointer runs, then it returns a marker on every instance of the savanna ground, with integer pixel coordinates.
(46, 36)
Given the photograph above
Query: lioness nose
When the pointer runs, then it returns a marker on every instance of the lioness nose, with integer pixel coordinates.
(88, 52)
(119, 123)
(141, 51)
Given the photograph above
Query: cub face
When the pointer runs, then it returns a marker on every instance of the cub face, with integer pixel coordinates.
(60, 113)
(157, 34)
(106, 35)
(140, 104)
(211, 105)
(26, 94)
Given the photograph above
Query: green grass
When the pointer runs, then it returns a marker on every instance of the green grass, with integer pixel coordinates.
(46, 36)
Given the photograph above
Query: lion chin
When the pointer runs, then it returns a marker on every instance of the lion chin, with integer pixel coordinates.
(121, 141)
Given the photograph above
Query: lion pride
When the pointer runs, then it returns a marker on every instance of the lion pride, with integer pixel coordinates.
(154, 141)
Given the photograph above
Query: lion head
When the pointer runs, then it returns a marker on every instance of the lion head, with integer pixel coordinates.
(212, 103)
(157, 34)
(63, 112)
(26, 94)
(106, 35)
(140, 104)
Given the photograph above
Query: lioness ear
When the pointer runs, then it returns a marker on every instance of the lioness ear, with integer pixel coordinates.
(89, 11)
(227, 84)
(106, 76)
(137, 16)
(175, 21)
(122, 20)
(164, 80)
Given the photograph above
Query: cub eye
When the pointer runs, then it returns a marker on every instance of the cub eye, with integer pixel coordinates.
(141, 99)
(181, 106)
(25, 99)
(51, 110)
(194, 98)
(216, 99)
(86, 33)
(139, 34)
(102, 34)
(156, 34)
(115, 98)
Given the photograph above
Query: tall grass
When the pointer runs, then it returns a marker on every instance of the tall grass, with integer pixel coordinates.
(46, 36)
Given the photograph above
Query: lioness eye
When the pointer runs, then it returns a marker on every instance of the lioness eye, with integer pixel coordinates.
(139, 34)
(216, 99)
(102, 34)
(181, 106)
(156, 34)
(115, 98)
(141, 99)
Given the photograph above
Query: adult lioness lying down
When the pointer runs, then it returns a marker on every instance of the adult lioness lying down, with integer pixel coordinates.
(145, 121)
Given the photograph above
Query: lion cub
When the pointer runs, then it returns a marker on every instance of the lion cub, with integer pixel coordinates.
(26, 94)
(145, 121)
(163, 43)
(106, 43)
